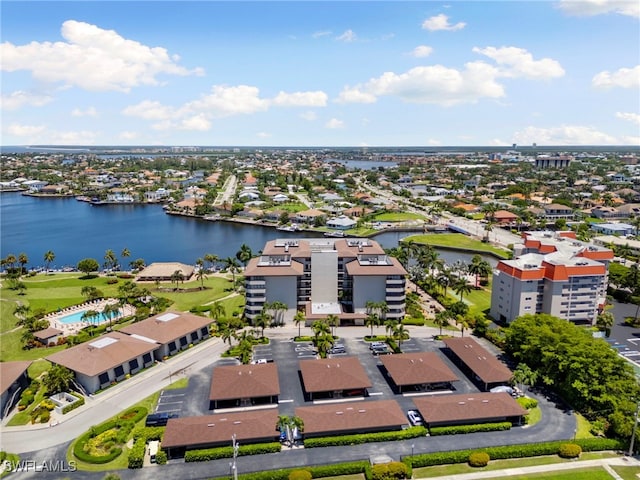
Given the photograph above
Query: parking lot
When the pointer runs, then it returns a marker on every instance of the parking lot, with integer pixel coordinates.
(194, 399)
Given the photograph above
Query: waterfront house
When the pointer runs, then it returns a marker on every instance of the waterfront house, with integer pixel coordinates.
(341, 223)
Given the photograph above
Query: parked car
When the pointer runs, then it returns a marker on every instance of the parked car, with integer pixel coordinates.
(159, 419)
(414, 417)
(382, 350)
(373, 345)
(336, 350)
(356, 392)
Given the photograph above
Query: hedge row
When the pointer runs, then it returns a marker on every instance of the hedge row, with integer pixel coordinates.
(336, 470)
(141, 436)
(204, 455)
(75, 404)
(514, 451)
(360, 438)
(480, 427)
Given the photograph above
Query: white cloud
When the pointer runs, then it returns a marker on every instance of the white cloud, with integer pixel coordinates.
(149, 110)
(93, 59)
(430, 84)
(348, 36)
(434, 142)
(518, 62)
(623, 77)
(198, 123)
(41, 134)
(441, 22)
(301, 99)
(564, 135)
(89, 112)
(224, 101)
(263, 135)
(309, 116)
(629, 117)
(128, 135)
(334, 123)
(422, 51)
(588, 8)
(20, 98)
(320, 34)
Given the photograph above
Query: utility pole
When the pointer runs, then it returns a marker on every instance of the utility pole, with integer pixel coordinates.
(234, 467)
(633, 433)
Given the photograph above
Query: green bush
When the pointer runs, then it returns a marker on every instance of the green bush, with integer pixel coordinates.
(569, 450)
(141, 435)
(480, 427)
(361, 438)
(66, 409)
(161, 457)
(336, 470)
(527, 403)
(478, 459)
(389, 471)
(207, 454)
(419, 322)
(300, 475)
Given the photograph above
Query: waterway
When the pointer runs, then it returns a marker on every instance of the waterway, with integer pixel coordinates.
(74, 230)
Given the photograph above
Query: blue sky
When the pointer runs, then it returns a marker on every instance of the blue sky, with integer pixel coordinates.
(328, 73)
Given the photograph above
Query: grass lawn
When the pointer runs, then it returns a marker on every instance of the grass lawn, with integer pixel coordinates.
(584, 427)
(293, 207)
(458, 468)
(184, 301)
(627, 473)
(535, 415)
(457, 241)
(397, 217)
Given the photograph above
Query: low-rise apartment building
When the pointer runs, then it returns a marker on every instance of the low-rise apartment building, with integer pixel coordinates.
(326, 277)
(552, 273)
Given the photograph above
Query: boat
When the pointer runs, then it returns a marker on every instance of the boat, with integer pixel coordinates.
(212, 217)
(289, 228)
(337, 234)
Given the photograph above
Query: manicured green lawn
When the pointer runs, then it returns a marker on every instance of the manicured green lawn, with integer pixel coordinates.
(597, 473)
(183, 301)
(397, 217)
(293, 207)
(627, 473)
(457, 241)
(584, 427)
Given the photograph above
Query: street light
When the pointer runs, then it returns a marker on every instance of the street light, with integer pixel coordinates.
(412, 446)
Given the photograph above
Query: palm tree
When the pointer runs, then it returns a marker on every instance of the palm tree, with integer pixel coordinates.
(299, 319)
(400, 333)
(444, 279)
(201, 275)
(624, 251)
(320, 327)
(389, 327)
(244, 254)
(90, 316)
(441, 319)
(462, 287)
(110, 311)
(10, 260)
(333, 321)
(323, 343)
(262, 321)
(211, 259)
(232, 266)
(524, 375)
(176, 277)
(23, 260)
(278, 308)
(125, 254)
(49, 257)
(245, 351)
(217, 311)
(110, 260)
(371, 321)
(22, 312)
(605, 321)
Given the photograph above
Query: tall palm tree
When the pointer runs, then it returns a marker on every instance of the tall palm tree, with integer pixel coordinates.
(320, 327)
(400, 333)
(262, 321)
(445, 280)
(233, 267)
(372, 320)
(23, 260)
(49, 257)
(441, 319)
(10, 260)
(217, 311)
(125, 253)
(462, 287)
(176, 277)
(324, 342)
(90, 316)
(333, 321)
(299, 319)
(278, 308)
(244, 254)
(211, 259)
(389, 327)
(110, 311)
(524, 375)
(201, 275)
(110, 260)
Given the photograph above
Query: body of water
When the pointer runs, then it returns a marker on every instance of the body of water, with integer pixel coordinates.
(75, 230)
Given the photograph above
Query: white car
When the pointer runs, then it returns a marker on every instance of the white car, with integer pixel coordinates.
(414, 417)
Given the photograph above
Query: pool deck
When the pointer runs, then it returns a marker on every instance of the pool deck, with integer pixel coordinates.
(74, 327)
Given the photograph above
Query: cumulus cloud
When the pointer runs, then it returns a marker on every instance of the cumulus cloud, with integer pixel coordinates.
(348, 36)
(334, 123)
(20, 98)
(422, 51)
(430, 84)
(41, 134)
(263, 135)
(301, 99)
(564, 135)
(441, 22)
(93, 59)
(518, 62)
(222, 101)
(624, 78)
(590, 8)
(89, 112)
(629, 117)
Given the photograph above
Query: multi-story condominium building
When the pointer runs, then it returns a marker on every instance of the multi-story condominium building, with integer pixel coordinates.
(326, 276)
(552, 273)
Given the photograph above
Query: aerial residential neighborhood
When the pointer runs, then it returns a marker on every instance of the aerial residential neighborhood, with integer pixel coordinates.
(323, 332)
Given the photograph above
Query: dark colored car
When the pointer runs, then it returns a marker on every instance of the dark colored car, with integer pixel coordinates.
(159, 419)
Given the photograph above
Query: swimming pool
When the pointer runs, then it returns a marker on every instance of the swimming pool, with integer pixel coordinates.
(76, 317)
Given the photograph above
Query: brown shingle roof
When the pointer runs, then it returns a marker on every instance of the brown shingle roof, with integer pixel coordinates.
(467, 407)
(395, 268)
(329, 374)
(351, 417)
(244, 381)
(102, 353)
(479, 360)
(207, 430)
(292, 270)
(415, 368)
(10, 372)
(165, 270)
(47, 333)
(167, 326)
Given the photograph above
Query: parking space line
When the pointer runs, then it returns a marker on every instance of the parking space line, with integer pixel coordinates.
(373, 394)
(288, 400)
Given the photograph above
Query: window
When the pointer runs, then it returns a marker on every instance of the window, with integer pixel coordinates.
(103, 378)
(146, 358)
(119, 370)
(133, 364)
(194, 336)
(183, 341)
(204, 331)
(172, 346)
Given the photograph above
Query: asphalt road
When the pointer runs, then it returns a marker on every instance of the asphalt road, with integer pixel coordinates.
(49, 444)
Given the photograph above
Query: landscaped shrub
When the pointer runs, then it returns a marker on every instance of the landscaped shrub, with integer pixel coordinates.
(161, 457)
(358, 439)
(135, 458)
(389, 471)
(478, 459)
(527, 403)
(569, 450)
(73, 405)
(207, 454)
(336, 470)
(300, 475)
(480, 427)
(141, 435)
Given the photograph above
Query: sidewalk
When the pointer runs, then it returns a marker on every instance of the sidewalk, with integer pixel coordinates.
(606, 463)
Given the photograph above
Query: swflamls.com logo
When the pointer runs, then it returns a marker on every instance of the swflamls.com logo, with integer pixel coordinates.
(60, 466)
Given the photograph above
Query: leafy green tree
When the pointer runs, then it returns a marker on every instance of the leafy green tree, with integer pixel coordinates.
(88, 265)
(58, 379)
(605, 321)
(524, 375)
